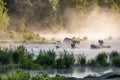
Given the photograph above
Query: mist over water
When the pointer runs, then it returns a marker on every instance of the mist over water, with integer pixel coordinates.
(97, 24)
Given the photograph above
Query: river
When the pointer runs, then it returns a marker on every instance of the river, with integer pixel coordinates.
(82, 48)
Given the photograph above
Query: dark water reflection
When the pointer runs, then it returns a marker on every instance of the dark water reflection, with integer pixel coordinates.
(78, 72)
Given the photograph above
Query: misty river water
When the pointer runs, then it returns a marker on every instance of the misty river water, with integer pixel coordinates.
(82, 48)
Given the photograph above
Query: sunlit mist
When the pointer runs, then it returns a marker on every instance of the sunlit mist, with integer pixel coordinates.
(97, 24)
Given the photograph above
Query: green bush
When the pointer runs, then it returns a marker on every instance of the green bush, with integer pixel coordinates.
(65, 60)
(116, 61)
(38, 77)
(81, 60)
(7, 67)
(46, 58)
(114, 54)
(16, 57)
(101, 59)
(28, 36)
(21, 49)
(0, 77)
(20, 75)
(29, 63)
(91, 63)
(19, 55)
(23, 75)
(21, 58)
(4, 19)
(68, 59)
(4, 56)
(59, 63)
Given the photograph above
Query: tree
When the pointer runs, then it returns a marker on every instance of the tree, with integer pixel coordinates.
(4, 19)
(54, 4)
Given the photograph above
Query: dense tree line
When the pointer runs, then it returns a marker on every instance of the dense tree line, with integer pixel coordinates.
(48, 13)
(4, 19)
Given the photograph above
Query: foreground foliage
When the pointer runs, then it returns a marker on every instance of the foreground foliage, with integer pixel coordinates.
(23, 75)
(21, 58)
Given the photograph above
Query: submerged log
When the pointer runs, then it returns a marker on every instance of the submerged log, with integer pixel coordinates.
(67, 40)
(101, 42)
(72, 45)
(93, 46)
(57, 47)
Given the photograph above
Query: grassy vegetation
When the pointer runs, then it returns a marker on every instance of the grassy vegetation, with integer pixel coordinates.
(81, 60)
(99, 61)
(65, 60)
(21, 58)
(23, 75)
(116, 61)
(51, 14)
(46, 58)
(27, 37)
(115, 58)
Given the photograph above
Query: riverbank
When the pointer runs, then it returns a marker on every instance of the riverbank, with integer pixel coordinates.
(10, 36)
(24, 75)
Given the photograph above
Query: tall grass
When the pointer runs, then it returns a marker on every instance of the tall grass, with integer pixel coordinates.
(21, 58)
(81, 60)
(100, 60)
(65, 60)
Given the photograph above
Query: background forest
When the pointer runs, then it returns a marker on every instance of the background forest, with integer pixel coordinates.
(19, 19)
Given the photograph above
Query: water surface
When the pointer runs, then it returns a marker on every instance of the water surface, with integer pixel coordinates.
(82, 48)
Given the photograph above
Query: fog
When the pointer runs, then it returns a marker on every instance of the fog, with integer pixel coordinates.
(99, 23)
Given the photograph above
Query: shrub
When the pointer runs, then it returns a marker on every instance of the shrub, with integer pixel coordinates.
(59, 63)
(29, 64)
(16, 57)
(65, 60)
(92, 63)
(22, 50)
(4, 19)
(82, 60)
(68, 59)
(21, 53)
(7, 67)
(101, 59)
(4, 57)
(116, 61)
(38, 77)
(28, 36)
(20, 75)
(0, 77)
(114, 54)
(46, 58)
